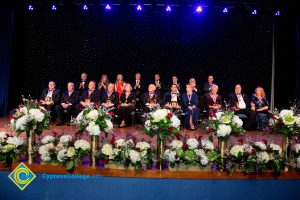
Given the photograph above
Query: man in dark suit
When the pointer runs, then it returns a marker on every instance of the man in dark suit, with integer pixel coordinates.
(151, 99)
(83, 84)
(240, 103)
(138, 88)
(172, 99)
(89, 97)
(69, 100)
(110, 98)
(207, 85)
(50, 98)
(160, 87)
(175, 82)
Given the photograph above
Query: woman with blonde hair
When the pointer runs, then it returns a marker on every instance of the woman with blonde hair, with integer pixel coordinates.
(120, 84)
(260, 105)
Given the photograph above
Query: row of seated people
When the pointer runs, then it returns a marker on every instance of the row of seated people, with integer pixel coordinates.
(71, 103)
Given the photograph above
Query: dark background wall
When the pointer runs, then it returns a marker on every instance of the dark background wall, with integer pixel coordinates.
(236, 48)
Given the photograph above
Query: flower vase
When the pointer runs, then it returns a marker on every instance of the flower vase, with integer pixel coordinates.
(287, 152)
(94, 150)
(160, 153)
(30, 141)
(222, 146)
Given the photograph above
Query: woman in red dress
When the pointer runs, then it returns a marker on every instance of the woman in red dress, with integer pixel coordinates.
(119, 85)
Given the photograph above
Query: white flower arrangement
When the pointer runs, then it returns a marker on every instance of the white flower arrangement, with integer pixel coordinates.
(82, 144)
(261, 145)
(48, 139)
(275, 147)
(107, 149)
(192, 143)
(65, 139)
(176, 144)
(120, 143)
(237, 150)
(134, 156)
(223, 130)
(207, 144)
(263, 157)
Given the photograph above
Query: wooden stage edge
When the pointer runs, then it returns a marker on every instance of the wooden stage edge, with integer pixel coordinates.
(165, 174)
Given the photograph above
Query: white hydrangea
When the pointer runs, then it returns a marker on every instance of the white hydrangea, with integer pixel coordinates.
(159, 115)
(93, 129)
(107, 149)
(237, 121)
(284, 113)
(297, 148)
(199, 152)
(263, 157)
(261, 145)
(276, 147)
(170, 156)
(65, 139)
(37, 114)
(3, 136)
(223, 130)
(62, 155)
(204, 160)
(175, 122)
(192, 143)
(207, 144)
(236, 149)
(82, 144)
(48, 139)
(110, 126)
(92, 115)
(71, 152)
(44, 151)
(176, 144)
(22, 122)
(17, 141)
(247, 148)
(134, 156)
(120, 143)
(142, 145)
(45, 157)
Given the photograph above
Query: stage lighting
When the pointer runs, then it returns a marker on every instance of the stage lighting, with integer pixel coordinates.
(108, 7)
(53, 7)
(199, 9)
(30, 7)
(254, 12)
(139, 8)
(85, 7)
(225, 10)
(168, 9)
(277, 13)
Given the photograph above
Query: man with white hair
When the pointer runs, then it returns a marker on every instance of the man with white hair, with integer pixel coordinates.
(151, 99)
(50, 98)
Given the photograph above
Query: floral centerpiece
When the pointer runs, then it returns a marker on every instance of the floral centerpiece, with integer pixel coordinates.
(223, 125)
(10, 148)
(94, 121)
(161, 123)
(287, 124)
(255, 157)
(128, 153)
(190, 152)
(63, 151)
(32, 118)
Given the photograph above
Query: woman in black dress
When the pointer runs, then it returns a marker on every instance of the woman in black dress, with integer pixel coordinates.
(260, 105)
(127, 105)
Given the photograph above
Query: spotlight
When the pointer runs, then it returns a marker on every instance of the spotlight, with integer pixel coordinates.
(277, 13)
(225, 10)
(199, 9)
(108, 7)
(139, 8)
(254, 12)
(30, 7)
(53, 7)
(168, 9)
(85, 7)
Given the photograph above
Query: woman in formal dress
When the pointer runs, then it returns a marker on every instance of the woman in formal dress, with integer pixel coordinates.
(127, 105)
(213, 100)
(192, 82)
(103, 83)
(260, 105)
(190, 107)
(120, 84)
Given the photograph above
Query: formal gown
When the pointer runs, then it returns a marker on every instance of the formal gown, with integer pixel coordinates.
(119, 88)
(125, 111)
(210, 101)
(262, 117)
(190, 100)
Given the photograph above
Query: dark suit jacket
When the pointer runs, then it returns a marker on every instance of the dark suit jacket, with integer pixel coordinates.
(167, 98)
(210, 101)
(130, 98)
(55, 95)
(147, 99)
(233, 100)
(161, 89)
(138, 91)
(95, 96)
(206, 88)
(81, 89)
(114, 98)
(180, 87)
(73, 99)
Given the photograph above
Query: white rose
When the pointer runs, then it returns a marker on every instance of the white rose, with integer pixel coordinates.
(192, 143)
(223, 130)
(284, 113)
